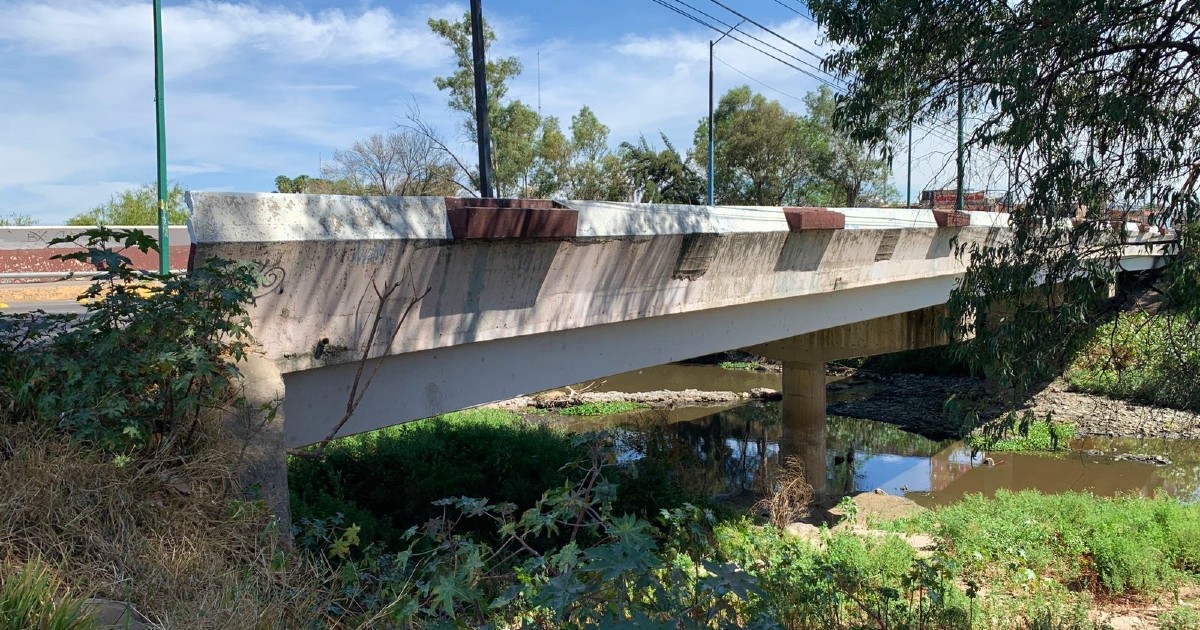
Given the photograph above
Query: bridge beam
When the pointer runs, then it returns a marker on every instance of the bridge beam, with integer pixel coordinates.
(912, 330)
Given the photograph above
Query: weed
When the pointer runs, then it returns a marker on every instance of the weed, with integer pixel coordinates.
(143, 365)
(746, 366)
(602, 408)
(1037, 436)
(1180, 618)
(1142, 357)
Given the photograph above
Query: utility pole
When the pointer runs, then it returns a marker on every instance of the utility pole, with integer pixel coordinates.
(908, 189)
(164, 244)
(481, 103)
(711, 141)
(959, 201)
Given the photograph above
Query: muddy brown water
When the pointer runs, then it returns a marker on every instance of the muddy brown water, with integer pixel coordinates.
(736, 445)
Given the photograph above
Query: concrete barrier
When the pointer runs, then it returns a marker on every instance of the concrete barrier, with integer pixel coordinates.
(25, 253)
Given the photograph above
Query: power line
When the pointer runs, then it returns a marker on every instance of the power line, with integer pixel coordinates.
(744, 42)
(790, 8)
(760, 25)
(930, 131)
(759, 81)
(797, 12)
(755, 38)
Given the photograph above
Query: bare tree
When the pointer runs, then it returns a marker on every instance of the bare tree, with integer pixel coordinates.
(399, 163)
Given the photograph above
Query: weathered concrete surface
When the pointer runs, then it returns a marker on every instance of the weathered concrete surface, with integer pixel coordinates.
(491, 290)
(639, 285)
(904, 331)
(256, 424)
(804, 419)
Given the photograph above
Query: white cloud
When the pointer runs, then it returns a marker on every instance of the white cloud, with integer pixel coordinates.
(260, 89)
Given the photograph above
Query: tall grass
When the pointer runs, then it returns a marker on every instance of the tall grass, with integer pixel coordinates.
(32, 600)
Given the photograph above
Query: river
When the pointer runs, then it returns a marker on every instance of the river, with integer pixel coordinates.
(738, 445)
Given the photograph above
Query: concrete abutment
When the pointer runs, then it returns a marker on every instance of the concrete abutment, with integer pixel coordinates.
(255, 423)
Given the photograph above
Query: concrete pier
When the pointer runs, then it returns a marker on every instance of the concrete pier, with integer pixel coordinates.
(804, 419)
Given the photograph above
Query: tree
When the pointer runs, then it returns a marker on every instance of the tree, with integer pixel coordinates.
(461, 84)
(844, 169)
(135, 206)
(1092, 108)
(761, 151)
(15, 219)
(303, 184)
(653, 176)
(514, 125)
(403, 162)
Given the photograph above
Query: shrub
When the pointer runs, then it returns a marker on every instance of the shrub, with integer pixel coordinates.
(387, 480)
(604, 570)
(1151, 358)
(1091, 543)
(143, 363)
(1180, 618)
(1028, 436)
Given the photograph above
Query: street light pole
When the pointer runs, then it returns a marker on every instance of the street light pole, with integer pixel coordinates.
(481, 103)
(711, 142)
(164, 245)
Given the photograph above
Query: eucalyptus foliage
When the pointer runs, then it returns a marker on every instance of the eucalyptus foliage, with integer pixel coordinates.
(1090, 107)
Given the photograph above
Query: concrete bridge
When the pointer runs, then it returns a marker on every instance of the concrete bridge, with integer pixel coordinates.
(505, 300)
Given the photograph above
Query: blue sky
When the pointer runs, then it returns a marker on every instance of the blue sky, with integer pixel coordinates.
(259, 89)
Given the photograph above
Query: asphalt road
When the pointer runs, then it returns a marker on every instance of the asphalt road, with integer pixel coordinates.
(55, 306)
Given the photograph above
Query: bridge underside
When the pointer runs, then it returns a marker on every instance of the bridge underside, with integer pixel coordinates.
(426, 383)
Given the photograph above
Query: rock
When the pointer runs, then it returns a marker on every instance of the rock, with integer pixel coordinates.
(1156, 460)
(811, 533)
(546, 399)
(114, 615)
(878, 507)
(765, 393)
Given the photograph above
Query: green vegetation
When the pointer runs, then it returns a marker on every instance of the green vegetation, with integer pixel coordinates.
(602, 408)
(1038, 436)
(1033, 560)
(17, 220)
(145, 363)
(1153, 359)
(1180, 618)
(1127, 545)
(1072, 99)
(136, 206)
(748, 366)
(386, 481)
(33, 600)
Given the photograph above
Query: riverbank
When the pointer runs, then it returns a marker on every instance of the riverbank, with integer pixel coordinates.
(914, 402)
(918, 403)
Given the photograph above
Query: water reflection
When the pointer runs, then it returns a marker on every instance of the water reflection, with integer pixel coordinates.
(735, 451)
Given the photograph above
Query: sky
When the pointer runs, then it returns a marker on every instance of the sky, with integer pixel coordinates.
(259, 89)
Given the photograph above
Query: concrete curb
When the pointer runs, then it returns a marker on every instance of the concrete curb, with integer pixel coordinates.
(14, 294)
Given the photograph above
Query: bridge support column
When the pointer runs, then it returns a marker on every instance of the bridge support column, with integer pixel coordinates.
(256, 427)
(804, 419)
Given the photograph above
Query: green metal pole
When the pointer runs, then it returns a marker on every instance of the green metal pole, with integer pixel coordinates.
(164, 244)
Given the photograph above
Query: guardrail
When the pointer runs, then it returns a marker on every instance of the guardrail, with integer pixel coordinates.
(25, 253)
